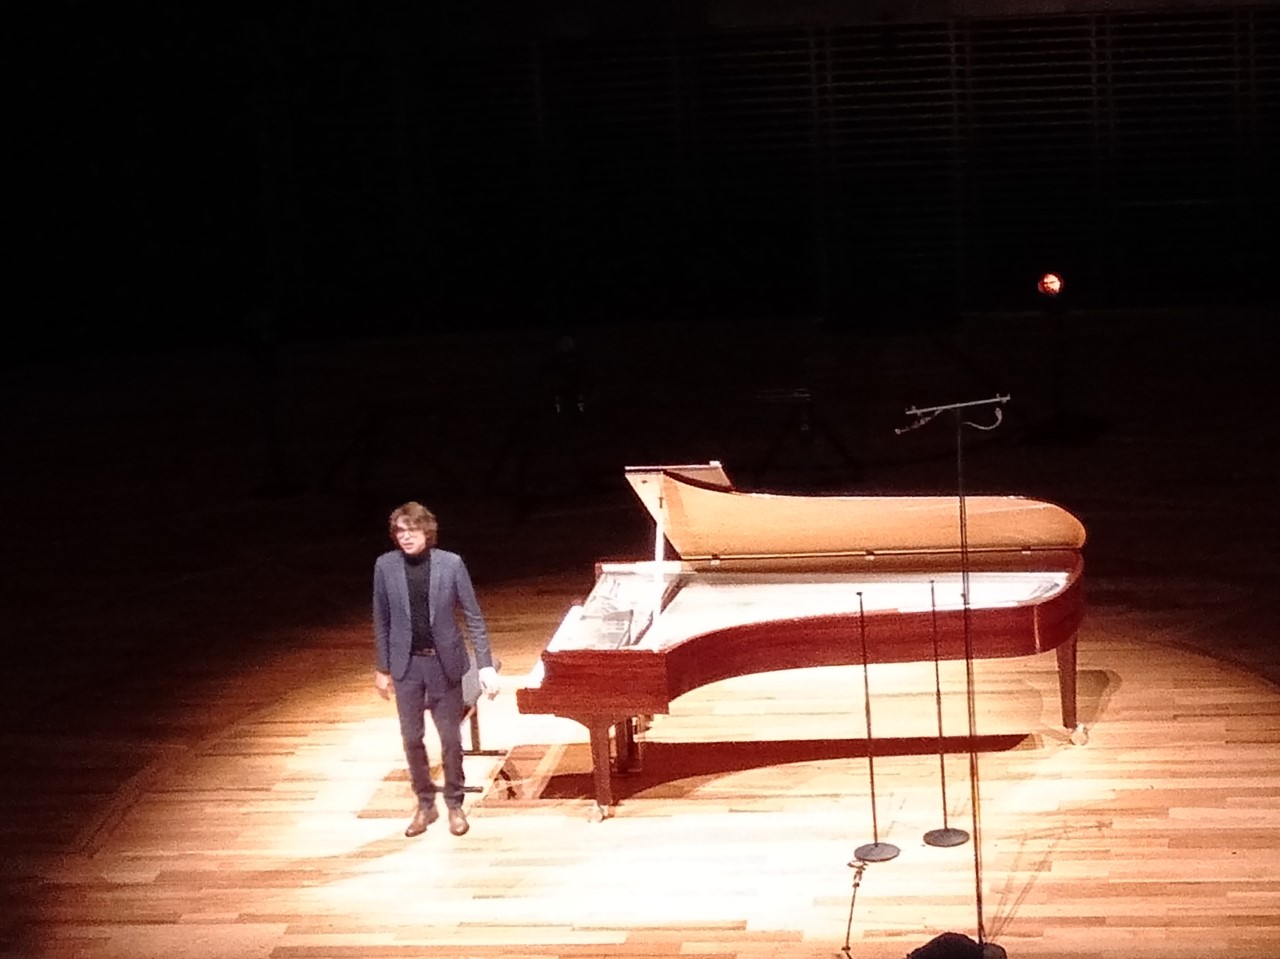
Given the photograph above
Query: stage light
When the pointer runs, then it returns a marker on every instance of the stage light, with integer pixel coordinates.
(1049, 284)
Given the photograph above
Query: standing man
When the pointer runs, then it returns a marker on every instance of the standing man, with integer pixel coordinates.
(421, 652)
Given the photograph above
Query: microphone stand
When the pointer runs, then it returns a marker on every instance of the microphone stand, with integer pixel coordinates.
(924, 415)
(874, 851)
(859, 867)
(948, 835)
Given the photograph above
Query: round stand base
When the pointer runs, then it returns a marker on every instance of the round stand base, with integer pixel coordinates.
(946, 836)
(876, 852)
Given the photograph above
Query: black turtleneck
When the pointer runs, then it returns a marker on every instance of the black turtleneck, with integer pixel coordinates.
(418, 570)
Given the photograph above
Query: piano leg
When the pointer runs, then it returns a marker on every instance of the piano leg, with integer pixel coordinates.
(600, 770)
(628, 746)
(1067, 691)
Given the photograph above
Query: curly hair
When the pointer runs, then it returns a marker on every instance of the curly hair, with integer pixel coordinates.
(417, 516)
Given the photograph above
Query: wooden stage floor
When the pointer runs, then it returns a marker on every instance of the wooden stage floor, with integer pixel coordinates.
(280, 836)
(196, 765)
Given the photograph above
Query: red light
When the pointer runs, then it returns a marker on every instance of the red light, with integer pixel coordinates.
(1049, 284)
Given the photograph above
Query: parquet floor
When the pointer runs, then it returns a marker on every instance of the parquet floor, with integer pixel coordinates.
(280, 835)
(195, 765)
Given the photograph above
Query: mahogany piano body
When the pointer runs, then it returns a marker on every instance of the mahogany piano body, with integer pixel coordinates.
(767, 582)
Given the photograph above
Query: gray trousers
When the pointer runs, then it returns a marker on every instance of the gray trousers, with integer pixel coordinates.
(425, 687)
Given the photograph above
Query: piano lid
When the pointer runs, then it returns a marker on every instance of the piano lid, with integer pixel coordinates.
(706, 519)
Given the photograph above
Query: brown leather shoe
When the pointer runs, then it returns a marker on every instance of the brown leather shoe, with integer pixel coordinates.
(423, 818)
(457, 821)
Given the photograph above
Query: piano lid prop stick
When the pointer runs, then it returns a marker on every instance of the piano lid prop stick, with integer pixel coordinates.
(948, 835)
(874, 851)
(659, 551)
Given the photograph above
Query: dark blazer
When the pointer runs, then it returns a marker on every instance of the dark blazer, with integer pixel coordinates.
(451, 593)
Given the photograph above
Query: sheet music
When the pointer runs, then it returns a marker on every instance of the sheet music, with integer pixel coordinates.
(621, 606)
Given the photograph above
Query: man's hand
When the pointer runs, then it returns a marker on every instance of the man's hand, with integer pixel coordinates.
(382, 681)
(489, 681)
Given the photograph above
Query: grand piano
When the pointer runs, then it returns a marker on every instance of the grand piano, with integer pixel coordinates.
(768, 581)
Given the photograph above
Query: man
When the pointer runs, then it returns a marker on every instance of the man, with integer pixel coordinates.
(421, 652)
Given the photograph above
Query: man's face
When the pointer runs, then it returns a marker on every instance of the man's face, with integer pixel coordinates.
(409, 538)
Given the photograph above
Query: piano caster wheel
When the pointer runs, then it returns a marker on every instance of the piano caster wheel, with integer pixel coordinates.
(597, 813)
(1079, 735)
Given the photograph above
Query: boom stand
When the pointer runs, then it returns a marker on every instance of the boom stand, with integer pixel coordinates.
(948, 835)
(874, 851)
(923, 416)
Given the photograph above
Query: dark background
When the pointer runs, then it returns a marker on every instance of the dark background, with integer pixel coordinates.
(288, 266)
(250, 175)
(295, 264)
